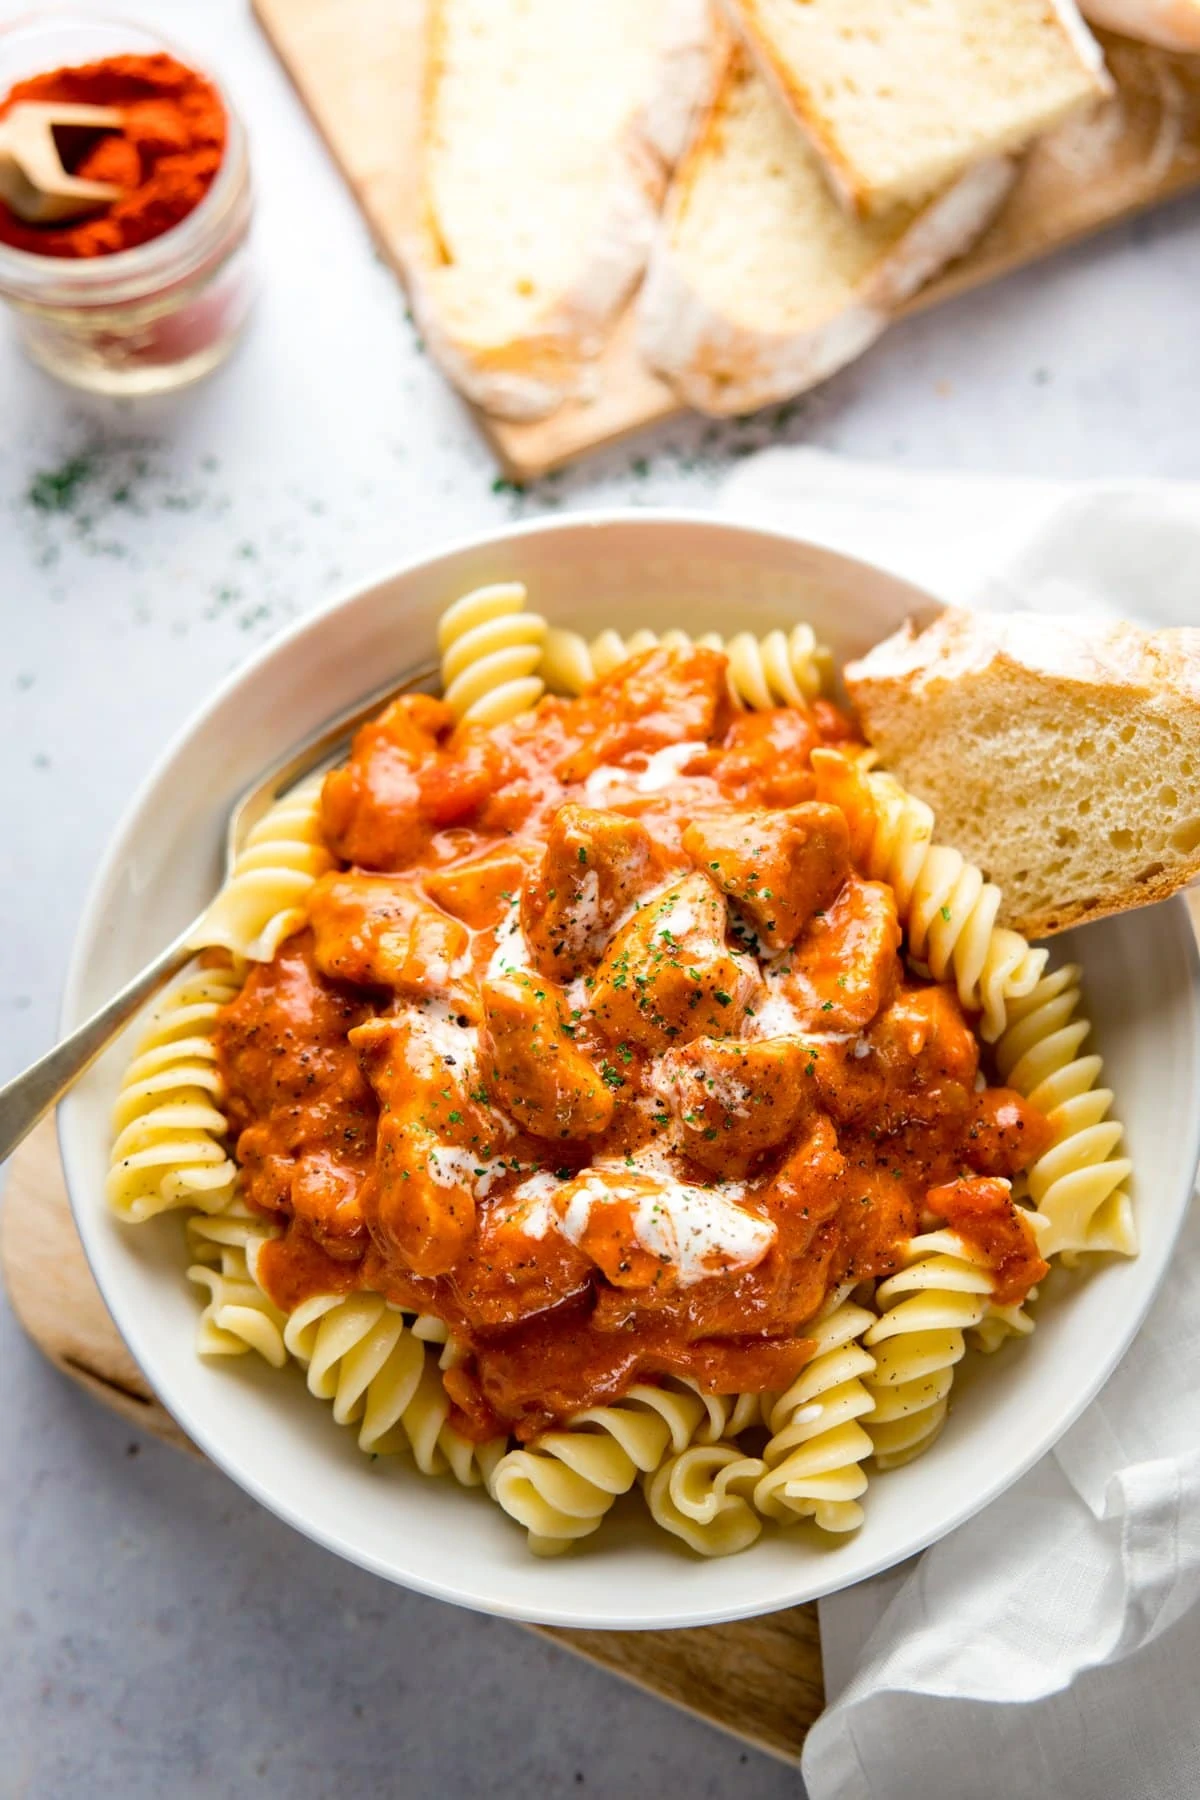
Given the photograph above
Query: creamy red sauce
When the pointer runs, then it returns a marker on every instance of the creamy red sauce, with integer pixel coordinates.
(601, 1048)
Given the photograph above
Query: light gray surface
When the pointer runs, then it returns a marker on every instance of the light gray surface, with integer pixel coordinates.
(160, 1634)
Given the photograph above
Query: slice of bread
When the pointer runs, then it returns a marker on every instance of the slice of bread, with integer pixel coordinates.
(549, 131)
(900, 96)
(1061, 756)
(1171, 24)
(760, 284)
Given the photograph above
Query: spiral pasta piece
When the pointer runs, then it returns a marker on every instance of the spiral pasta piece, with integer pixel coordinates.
(491, 647)
(784, 668)
(1077, 1186)
(360, 1353)
(941, 1290)
(817, 1444)
(725, 1415)
(947, 909)
(563, 1484)
(170, 1131)
(704, 1495)
(262, 902)
(237, 1316)
(1000, 1323)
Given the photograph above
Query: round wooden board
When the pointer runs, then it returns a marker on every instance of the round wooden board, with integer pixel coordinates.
(758, 1678)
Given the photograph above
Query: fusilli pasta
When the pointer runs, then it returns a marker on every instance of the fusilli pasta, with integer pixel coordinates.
(941, 1291)
(947, 909)
(781, 669)
(262, 902)
(1077, 1186)
(703, 1495)
(237, 1316)
(170, 1131)
(561, 1487)
(361, 1353)
(491, 647)
(877, 1383)
(817, 1444)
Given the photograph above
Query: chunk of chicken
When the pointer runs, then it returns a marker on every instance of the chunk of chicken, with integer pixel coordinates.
(432, 1146)
(548, 1086)
(1005, 1134)
(361, 925)
(845, 966)
(843, 783)
(595, 865)
(660, 697)
(303, 1116)
(917, 1061)
(763, 757)
(733, 1100)
(480, 892)
(514, 1268)
(668, 977)
(379, 931)
(404, 781)
(435, 965)
(778, 867)
(809, 1188)
(648, 1231)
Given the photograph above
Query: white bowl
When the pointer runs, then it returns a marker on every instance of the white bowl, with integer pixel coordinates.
(280, 1444)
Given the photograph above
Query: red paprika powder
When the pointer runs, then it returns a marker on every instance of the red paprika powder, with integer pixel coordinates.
(164, 158)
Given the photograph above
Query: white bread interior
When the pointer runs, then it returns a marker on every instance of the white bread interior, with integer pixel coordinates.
(549, 131)
(760, 284)
(900, 97)
(1061, 756)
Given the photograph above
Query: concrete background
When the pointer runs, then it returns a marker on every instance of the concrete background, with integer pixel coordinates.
(160, 1634)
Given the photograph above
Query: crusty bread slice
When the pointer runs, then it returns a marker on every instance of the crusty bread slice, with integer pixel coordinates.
(1061, 756)
(549, 131)
(760, 284)
(900, 96)
(1171, 24)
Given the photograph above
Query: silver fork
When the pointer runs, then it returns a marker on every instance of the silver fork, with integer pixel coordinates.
(29, 1096)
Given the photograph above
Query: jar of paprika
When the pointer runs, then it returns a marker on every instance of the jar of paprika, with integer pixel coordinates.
(151, 291)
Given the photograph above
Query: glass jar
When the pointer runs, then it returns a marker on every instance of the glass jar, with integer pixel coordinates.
(145, 320)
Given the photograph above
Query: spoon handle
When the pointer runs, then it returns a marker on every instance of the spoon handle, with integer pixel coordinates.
(30, 1095)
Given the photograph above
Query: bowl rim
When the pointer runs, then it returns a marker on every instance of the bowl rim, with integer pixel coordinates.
(823, 1579)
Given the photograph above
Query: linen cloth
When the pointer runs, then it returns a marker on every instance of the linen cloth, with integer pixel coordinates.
(1051, 1646)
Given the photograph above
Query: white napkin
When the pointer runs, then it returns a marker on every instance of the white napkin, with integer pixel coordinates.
(1075, 1592)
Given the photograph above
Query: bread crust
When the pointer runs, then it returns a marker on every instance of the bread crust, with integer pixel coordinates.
(530, 373)
(721, 366)
(852, 185)
(1118, 667)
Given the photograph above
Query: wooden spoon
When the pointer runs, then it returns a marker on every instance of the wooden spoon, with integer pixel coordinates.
(33, 182)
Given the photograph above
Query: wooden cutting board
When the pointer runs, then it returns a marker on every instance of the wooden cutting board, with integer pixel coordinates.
(759, 1678)
(357, 65)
